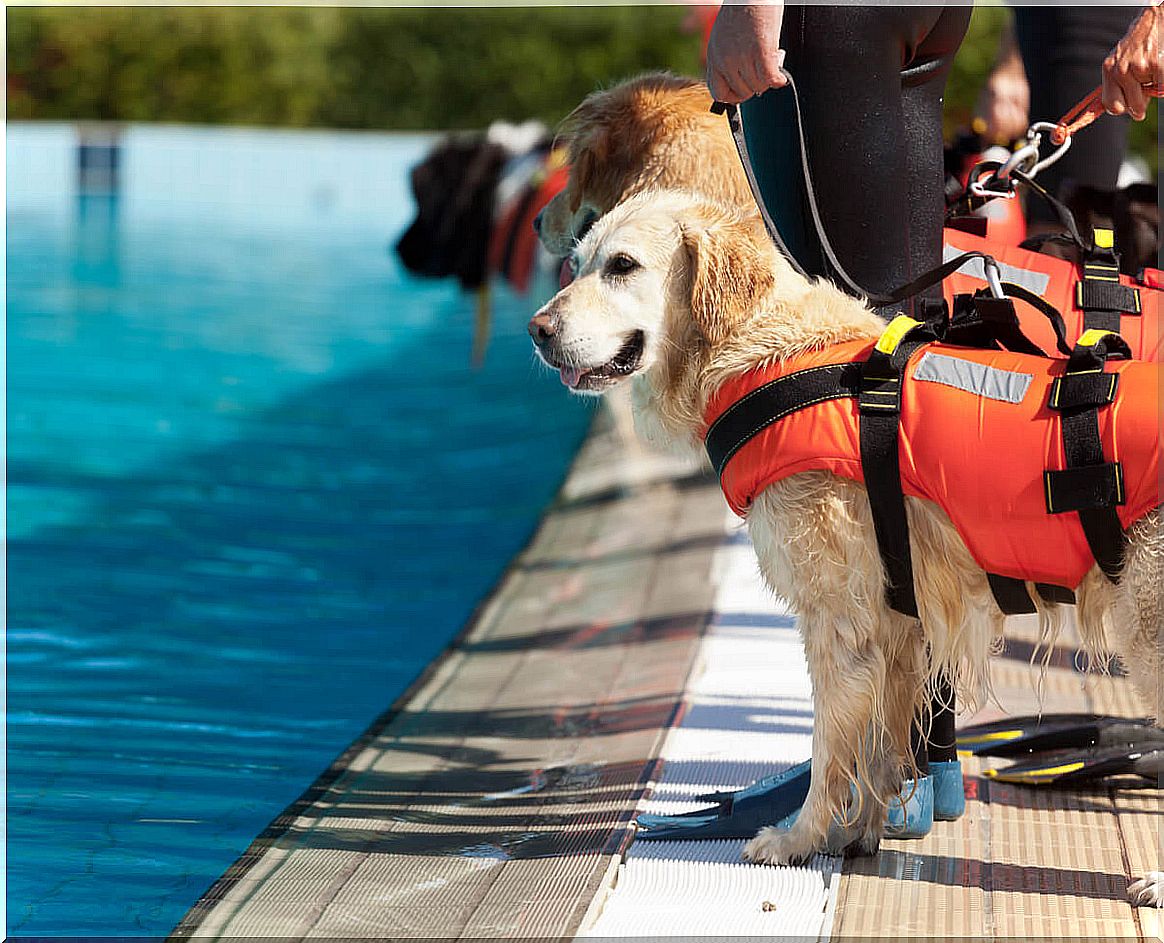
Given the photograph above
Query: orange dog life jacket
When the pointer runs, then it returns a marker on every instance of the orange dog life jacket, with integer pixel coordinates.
(1129, 306)
(977, 434)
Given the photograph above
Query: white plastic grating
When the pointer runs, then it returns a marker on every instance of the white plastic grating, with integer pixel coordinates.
(749, 713)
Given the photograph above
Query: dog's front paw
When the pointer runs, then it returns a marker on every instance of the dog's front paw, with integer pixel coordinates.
(775, 845)
(1148, 891)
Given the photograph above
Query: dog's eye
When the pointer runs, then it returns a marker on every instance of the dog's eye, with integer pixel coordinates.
(620, 265)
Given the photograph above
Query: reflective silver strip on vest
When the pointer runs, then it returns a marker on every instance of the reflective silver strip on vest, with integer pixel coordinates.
(1023, 277)
(972, 377)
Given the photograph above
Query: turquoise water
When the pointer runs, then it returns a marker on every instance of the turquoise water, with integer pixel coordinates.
(253, 489)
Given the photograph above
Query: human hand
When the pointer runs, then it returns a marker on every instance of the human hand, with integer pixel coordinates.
(744, 57)
(1135, 62)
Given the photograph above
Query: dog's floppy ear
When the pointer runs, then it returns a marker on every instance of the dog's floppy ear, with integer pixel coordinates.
(728, 276)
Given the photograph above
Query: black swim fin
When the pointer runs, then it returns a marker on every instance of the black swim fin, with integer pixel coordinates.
(1065, 767)
(1020, 736)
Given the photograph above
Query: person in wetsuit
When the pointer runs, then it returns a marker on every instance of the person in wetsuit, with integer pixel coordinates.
(870, 81)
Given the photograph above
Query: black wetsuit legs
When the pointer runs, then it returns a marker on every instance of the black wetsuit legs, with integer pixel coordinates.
(871, 81)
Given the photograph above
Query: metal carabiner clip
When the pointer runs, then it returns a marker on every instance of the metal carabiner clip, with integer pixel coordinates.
(1023, 159)
(985, 189)
(1035, 137)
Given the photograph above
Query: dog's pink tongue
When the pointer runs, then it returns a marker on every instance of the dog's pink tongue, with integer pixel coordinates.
(570, 375)
(565, 274)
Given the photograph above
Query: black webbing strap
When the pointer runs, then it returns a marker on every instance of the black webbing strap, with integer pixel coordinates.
(1010, 594)
(879, 405)
(1013, 599)
(877, 384)
(1066, 217)
(981, 320)
(1089, 485)
(772, 402)
(1052, 593)
(1099, 293)
(967, 203)
(1039, 303)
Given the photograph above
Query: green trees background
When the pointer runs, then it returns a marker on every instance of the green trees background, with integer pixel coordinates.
(346, 68)
(387, 69)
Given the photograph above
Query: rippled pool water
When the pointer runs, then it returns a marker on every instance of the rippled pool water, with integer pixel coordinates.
(253, 489)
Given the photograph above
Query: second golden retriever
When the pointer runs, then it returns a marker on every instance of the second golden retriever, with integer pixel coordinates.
(678, 296)
(654, 131)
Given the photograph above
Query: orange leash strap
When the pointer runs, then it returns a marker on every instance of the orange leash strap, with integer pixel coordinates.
(1087, 111)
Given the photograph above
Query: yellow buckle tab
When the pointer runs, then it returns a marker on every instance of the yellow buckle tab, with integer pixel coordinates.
(893, 335)
(1104, 238)
(1093, 335)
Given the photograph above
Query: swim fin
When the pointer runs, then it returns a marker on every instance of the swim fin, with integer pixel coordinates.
(1019, 736)
(1067, 767)
(772, 800)
(776, 800)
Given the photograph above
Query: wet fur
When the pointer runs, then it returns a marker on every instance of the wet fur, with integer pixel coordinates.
(715, 300)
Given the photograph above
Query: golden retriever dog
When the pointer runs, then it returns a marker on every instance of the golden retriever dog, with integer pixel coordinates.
(655, 131)
(676, 295)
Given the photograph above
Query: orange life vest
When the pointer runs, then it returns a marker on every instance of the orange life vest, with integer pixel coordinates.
(977, 435)
(513, 242)
(1058, 281)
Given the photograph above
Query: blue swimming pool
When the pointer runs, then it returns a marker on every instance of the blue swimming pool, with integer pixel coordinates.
(253, 489)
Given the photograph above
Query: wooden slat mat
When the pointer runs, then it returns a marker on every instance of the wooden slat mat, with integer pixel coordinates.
(1024, 862)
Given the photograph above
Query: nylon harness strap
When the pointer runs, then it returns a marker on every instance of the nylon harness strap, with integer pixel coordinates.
(879, 405)
(983, 321)
(1089, 485)
(1099, 293)
(773, 401)
(1012, 597)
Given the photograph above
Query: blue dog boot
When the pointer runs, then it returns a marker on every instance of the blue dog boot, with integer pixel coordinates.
(911, 817)
(949, 794)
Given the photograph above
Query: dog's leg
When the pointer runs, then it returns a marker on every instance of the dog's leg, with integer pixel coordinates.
(846, 689)
(813, 539)
(1136, 628)
(1148, 891)
(1138, 635)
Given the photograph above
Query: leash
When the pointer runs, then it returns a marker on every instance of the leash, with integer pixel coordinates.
(1028, 160)
(1090, 108)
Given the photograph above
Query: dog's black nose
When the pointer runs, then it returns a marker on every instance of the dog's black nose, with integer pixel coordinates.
(540, 328)
(537, 220)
